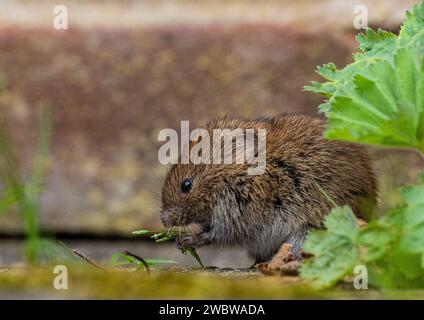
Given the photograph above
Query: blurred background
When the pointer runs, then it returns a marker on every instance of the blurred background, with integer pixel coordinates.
(124, 70)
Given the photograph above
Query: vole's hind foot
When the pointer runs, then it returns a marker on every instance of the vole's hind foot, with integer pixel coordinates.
(193, 241)
(283, 263)
(290, 268)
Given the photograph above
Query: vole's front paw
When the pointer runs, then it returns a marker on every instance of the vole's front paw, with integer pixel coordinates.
(193, 241)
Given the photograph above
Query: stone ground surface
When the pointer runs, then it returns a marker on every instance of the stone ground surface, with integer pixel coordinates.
(11, 253)
(85, 282)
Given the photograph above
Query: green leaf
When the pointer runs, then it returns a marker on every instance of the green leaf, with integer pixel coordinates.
(411, 33)
(156, 262)
(140, 232)
(334, 251)
(378, 43)
(413, 219)
(328, 71)
(121, 259)
(375, 241)
(379, 98)
(163, 236)
(194, 254)
(391, 247)
(381, 107)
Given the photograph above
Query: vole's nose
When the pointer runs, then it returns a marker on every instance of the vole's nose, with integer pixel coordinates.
(166, 218)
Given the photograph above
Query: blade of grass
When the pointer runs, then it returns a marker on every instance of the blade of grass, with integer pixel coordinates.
(8, 166)
(88, 260)
(31, 206)
(325, 194)
(194, 254)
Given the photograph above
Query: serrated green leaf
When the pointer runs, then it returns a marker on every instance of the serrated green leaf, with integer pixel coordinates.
(414, 195)
(375, 240)
(407, 265)
(342, 222)
(378, 111)
(378, 43)
(413, 219)
(411, 33)
(379, 98)
(334, 251)
(328, 71)
(326, 89)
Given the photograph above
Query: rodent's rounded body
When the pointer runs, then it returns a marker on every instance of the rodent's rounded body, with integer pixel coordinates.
(261, 212)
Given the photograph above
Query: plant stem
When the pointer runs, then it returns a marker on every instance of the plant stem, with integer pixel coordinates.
(144, 262)
(88, 260)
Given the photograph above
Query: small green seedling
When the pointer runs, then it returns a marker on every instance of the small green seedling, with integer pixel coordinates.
(125, 258)
(169, 235)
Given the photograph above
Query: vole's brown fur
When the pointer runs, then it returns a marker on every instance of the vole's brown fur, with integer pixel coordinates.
(261, 212)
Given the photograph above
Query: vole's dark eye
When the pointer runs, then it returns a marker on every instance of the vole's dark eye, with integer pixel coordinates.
(186, 185)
